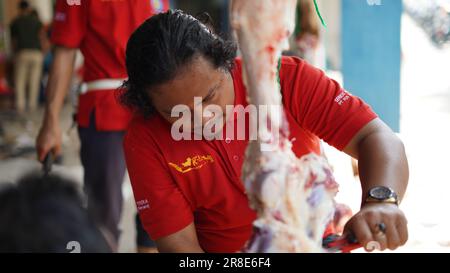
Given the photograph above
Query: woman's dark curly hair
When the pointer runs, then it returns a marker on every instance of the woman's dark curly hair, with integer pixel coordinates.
(163, 44)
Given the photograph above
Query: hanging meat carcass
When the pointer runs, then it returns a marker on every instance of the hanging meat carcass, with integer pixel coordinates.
(293, 198)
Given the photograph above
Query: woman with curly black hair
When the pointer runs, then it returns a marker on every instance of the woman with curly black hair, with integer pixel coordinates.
(184, 81)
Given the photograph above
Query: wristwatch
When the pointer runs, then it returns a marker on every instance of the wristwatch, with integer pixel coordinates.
(382, 194)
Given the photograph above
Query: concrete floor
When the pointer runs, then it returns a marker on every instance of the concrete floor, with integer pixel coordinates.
(425, 129)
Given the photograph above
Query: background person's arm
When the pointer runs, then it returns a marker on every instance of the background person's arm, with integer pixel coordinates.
(13, 34)
(44, 40)
(183, 241)
(49, 138)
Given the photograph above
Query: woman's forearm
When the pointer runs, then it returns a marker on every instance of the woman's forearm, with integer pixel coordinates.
(383, 162)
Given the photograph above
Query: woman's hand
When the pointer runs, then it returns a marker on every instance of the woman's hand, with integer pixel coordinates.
(379, 226)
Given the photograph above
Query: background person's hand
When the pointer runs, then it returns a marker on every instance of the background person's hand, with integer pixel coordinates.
(49, 140)
(379, 225)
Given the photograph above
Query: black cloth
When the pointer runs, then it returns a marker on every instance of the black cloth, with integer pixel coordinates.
(104, 166)
(25, 31)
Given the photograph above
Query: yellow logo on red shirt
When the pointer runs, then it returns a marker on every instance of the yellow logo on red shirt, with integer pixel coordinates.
(192, 163)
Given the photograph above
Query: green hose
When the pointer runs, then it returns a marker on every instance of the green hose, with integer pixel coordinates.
(320, 15)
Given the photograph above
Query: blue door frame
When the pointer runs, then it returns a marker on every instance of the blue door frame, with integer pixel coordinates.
(371, 54)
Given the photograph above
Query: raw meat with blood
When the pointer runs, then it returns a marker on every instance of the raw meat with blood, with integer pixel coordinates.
(294, 198)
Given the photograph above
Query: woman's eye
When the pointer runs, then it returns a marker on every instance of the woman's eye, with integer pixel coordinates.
(213, 95)
(210, 97)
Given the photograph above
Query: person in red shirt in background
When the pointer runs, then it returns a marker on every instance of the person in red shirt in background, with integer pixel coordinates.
(100, 29)
(189, 193)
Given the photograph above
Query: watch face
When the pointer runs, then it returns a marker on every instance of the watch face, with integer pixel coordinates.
(381, 193)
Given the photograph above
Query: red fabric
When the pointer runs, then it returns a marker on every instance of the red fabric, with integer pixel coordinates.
(177, 183)
(100, 29)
